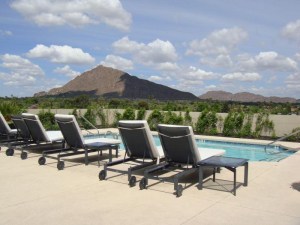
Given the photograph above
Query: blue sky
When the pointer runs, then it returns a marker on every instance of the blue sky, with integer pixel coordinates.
(195, 46)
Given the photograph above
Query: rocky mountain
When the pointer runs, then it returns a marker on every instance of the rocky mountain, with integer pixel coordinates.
(112, 83)
(243, 97)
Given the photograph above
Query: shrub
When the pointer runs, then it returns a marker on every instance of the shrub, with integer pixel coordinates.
(8, 108)
(118, 116)
(207, 123)
(128, 114)
(295, 137)
(90, 116)
(102, 116)
(263, 124)
(173, 118)
(155, 118)
(233, 124)
(187, 120)
(246, 130)
(141, 114)
(48, 120)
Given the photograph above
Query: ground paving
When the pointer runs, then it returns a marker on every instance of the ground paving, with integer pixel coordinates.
(34, 194)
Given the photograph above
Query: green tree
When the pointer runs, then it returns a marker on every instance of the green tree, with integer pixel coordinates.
(143, 105)
(82, 101)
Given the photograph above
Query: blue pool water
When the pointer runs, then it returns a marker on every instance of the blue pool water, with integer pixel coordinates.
(253, 152)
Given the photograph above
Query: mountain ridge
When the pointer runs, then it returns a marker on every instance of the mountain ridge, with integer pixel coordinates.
(244, 97)
(113, 83)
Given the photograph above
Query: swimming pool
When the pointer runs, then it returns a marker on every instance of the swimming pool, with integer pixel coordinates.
(253, 152)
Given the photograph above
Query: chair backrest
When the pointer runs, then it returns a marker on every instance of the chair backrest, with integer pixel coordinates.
(70, 130)
(179, 144)
(4, 127)
(35, 127)
(137, 139)
(21, 126)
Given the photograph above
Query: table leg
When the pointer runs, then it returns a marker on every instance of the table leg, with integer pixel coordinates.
(214, 175)
(246, 174)
(99, 158)
(86, 157)
(234, 181)
(200, 185)
(110, 154)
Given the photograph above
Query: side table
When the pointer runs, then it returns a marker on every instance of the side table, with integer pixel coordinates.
(226, 162)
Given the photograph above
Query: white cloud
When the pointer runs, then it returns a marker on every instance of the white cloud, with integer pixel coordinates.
(292, 31)
(118, 62)
(21, 71)
(193, 73)
(61, 54)
(245, 77)
(167, 67)
(159, 78)
(66, 70)
(74, 12)
(273, 60)
(5, 33)
(155, 78)
(266, 61)
(222, 61)
(297, 57)
(159, 54)
(220, 42)
(293, 81)
(211, 87)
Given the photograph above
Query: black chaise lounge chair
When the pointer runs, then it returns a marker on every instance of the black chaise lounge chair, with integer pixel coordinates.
(76, 144)
(39, 136)
(24, 137)
(139, 145)
(6, 133)
(181, 152)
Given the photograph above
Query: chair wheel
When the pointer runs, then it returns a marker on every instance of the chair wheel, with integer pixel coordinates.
(102, 175)
(42, 160)
(143, 183)
(179, 190)
(24, 155)
(60, 165)
(10, 152)
(132, 181)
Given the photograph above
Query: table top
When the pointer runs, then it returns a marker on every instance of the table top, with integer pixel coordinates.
(100, 145)
(223, 161)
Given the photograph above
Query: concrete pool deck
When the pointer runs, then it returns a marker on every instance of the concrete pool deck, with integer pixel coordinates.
(33, 194)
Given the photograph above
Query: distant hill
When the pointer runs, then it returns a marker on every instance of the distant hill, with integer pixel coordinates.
(244, 97)
(113, 83)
